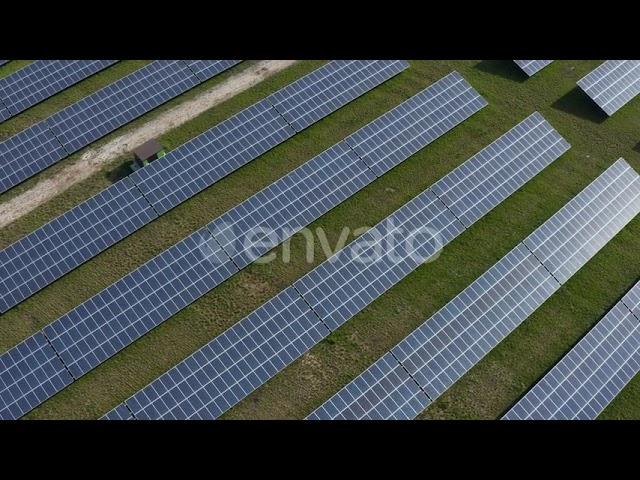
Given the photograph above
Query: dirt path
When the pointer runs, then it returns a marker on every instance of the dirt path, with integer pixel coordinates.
(94, 158)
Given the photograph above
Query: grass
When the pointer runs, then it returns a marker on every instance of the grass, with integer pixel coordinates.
(488, 389)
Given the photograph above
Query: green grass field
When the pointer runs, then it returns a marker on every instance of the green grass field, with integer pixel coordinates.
(486, 391)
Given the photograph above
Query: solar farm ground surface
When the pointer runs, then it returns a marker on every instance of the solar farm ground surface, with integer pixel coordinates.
(491, 387)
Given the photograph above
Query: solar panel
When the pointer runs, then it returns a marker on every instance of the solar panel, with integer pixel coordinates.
(26, 153)
(2, 62)
(121, 412)
(632, 300)
(61, 245)
(584, 225)
(206, 69)
(400, 133)
(138, 302)
(383, 391)
(456, 337)
(498, 170)
(531, 67)
(4, 113)
(199, 163)
(44, 78)
(352, 278)
(613, 84)
(424, 211)
(30, 373)
(117, 104)
(590, 376)
(207, 383)
(261, 222)
(328, 88)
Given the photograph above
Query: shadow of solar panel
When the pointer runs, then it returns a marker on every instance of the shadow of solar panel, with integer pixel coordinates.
(211, 156)
(584, 225)
(384, 391)
(121, 412)
(531, 67)
(123, 312)
(613, 84)
(117, 104)
(589, 377)
(344, 284)
(61, 245)
(328, 88)
(26, 153)
(207, 383)
(455, 338)
(400, 133)
(497, 171)
(632, 300)
(44, 78)
(29, 374)
(206, 69)
(261, 222)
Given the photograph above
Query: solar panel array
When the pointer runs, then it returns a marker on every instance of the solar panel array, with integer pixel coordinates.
(199, 163)
(531, 67)
(455, 338)
(29, 374)
(128, 309)
(61, 245)
(323, 91)
(27, 153)
(92, 117)
(164, 183)
(591, 375)
(44, 78)
(613, 84)
(334, 291)
(416, 123)
(578, 231)
(138, 302)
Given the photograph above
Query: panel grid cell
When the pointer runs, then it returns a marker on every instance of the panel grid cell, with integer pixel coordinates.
(384, 391)
(29, 374)
(28, 152)
(531, 67)
(590, 376)
(44, 78)
(123, 312)
(497, 171)
(211, 156)
(328, 88)
(207, 383)
(613, 84)
(61, 245)
(400, 133)
(275, 213)
(584, 225)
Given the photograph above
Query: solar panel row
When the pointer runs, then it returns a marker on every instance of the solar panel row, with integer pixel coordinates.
(613, 84)
(92, 117)
(126, 310)
(44, 78)
(61, 245)
(531, 67)
(591, 375)
(456, 337)
(334, 294)
(2, 62)
(165, 183)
